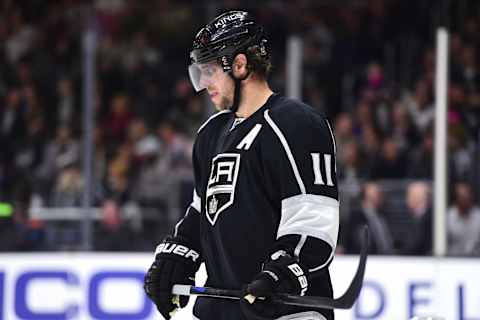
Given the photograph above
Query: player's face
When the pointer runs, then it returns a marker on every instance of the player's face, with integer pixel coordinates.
(218, 84)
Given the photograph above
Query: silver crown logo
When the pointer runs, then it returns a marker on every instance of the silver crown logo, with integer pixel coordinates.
(212, 205)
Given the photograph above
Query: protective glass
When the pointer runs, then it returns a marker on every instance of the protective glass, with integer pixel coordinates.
(204, 74)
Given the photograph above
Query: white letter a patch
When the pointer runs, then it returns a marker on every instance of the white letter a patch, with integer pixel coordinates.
(248, 140)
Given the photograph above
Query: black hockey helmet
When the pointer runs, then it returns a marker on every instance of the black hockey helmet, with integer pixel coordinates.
(227, 35)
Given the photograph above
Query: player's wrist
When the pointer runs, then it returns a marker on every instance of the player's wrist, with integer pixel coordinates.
(284, 245)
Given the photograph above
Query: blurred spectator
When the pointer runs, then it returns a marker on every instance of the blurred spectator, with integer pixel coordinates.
(371, 214)
(428, 64)
(351, 169)
(193, 116)
(68, 189)
(66, 102)
(119, 118)
(112, 233)
(420, 106)
(343, 133)
(419, 208)
(101, 152)
(143, 143)
(12, 123)
(468, 73)
(421, 158)
(463, 223)
(364, 117)
(370, 146)
(177, 146)
(403, 132)
(109, 15)
(456, 47)
(32, 103)
(391, 163)
(63, 151)
(164, 167)
(470, 27)
(460, 156)
(29, 152)
(181, 93)
(154, 180)
(20, 38)
(60, 152)
(139, 53)
(152, 106)
(374, 76)
(118, 179)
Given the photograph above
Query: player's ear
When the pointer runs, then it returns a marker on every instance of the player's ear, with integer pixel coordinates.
(239, 66)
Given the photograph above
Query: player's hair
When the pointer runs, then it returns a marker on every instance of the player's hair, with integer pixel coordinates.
(257, 63)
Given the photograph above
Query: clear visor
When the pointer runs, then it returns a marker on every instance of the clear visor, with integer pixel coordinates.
(202, 75)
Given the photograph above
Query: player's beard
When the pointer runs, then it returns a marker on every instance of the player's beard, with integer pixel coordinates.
(224, 98)
(224, 103)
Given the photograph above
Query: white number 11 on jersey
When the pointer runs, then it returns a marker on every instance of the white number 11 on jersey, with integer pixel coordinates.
(328, 168)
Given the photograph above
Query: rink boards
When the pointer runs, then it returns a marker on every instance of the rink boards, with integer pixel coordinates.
(109, 286)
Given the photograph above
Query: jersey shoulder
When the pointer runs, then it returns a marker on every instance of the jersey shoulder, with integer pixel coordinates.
(208, 130)
(214, 121)
(291, 115)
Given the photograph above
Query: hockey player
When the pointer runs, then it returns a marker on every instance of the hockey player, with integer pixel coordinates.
(265, 209)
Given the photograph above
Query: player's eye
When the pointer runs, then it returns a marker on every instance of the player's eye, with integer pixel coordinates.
(210, 71)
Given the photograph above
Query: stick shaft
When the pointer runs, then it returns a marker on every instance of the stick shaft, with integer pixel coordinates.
(346, 301)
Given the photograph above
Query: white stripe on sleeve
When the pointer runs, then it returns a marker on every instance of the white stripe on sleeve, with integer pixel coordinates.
(299, 246)
(197, 202)
(310, 215)
(175, 233)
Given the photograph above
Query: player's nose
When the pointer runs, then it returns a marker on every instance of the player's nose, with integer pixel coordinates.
(205, 81)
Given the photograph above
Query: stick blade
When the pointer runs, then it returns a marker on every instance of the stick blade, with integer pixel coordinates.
(347, 300)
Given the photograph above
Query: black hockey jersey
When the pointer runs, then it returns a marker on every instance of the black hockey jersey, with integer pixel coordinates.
(264, 184)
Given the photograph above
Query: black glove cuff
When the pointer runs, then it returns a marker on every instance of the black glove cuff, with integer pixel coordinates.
(289, 274)
(177, 249)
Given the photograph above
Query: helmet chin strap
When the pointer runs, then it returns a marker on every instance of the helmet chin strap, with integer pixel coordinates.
(237, 92)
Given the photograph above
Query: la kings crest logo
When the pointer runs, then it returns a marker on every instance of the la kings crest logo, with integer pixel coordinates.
(221, 184)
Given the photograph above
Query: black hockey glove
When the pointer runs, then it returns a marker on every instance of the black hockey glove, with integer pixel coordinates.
(175, 263)
(282, 274)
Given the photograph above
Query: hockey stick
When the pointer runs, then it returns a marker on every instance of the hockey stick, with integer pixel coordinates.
(346, 301)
